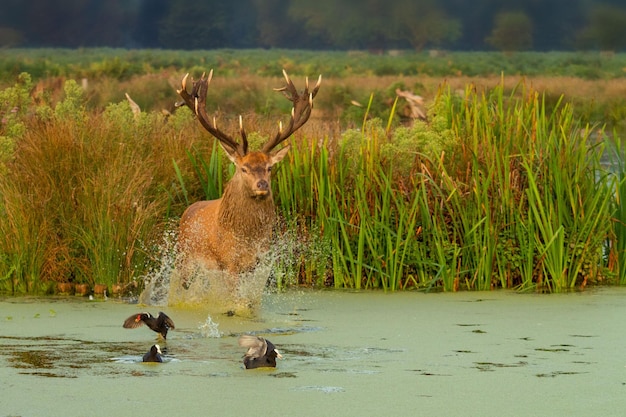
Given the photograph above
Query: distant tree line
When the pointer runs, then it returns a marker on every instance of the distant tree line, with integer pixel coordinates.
(507, 25)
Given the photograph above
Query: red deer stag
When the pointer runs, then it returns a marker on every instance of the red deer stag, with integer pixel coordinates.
(231, 232)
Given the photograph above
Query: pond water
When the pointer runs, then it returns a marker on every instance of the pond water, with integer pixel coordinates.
(345, 354)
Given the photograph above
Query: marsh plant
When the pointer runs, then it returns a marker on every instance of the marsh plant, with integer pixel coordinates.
(84, 194)
(497, 189)
(493, 191)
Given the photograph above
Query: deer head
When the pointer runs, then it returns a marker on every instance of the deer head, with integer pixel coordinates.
(253, 168)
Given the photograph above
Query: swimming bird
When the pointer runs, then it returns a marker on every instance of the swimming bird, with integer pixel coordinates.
(154, 355)
(160, 324)
(261, 352)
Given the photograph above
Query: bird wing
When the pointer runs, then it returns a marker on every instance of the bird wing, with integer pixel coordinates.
(164, 317)
(256, 345)
(270, 346)
(133, 321)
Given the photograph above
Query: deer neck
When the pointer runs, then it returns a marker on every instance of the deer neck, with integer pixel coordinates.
(244, 215)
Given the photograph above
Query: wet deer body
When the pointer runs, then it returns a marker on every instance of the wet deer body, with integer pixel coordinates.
(230, 233)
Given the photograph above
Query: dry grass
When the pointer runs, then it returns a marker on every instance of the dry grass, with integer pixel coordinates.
(252, 94)
(594, 101)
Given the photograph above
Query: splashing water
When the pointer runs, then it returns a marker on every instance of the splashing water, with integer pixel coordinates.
(210, 328)
(218, 290)
(204, 287)
(157, 281)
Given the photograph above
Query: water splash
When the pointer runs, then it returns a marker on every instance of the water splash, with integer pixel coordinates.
(157, 280)
(321, 388)
(204, 287)
(218, 290)
(210, 328)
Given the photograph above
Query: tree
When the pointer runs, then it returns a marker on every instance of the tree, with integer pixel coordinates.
(512, 31)
(424, 23)
(346, 24)
(208, 24)
(191, 24)
(150, 14)
(377, 24)
(75, 23)
(606, 28)
(275, 28)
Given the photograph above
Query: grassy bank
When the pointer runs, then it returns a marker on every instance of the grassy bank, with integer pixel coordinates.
(504, 186)
(126, 63)
(593, 82)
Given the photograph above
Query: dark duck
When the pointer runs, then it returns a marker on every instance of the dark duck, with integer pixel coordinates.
(153, 355)
(261, 352)
(160, 324)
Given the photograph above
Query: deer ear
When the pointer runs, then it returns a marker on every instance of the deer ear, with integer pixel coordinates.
(230, 152)
(280, 154)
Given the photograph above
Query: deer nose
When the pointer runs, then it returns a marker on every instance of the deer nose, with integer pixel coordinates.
(263, 185)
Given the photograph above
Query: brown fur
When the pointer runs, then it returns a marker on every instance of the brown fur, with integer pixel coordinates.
(231, 232)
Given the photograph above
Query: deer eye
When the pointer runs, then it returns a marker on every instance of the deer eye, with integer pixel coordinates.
(244, 170)
(269, 169)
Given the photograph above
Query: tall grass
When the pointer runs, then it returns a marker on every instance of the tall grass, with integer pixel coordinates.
(617, 161)
(594, 82)
(86, 195)
(498, 189)
(493, 192)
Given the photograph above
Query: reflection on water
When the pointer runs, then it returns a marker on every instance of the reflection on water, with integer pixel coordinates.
(344, 354)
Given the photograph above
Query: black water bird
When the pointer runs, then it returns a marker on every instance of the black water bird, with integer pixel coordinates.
(160, 324)
(261, 352)
(154, 355)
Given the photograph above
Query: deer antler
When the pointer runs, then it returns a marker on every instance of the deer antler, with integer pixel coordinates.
(196, 101)
(302, 105)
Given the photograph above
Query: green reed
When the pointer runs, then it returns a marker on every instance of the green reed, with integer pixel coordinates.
(389, 231)
(209, 173)
(617, 166)
(23, 254)
(495, 190)
(526, 161)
